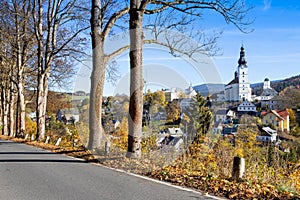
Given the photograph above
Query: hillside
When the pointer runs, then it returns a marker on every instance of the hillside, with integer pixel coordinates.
(209, 88)
(278, 85)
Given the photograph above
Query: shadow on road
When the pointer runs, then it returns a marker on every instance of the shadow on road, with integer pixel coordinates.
(25, 153)
(42, 161)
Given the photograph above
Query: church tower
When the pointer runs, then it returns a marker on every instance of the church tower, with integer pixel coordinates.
(239, 88)
(267, 84)
(244, 85)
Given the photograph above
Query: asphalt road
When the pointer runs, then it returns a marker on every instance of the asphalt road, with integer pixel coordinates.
(29, 173)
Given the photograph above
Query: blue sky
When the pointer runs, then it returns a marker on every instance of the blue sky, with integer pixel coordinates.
(272, 50)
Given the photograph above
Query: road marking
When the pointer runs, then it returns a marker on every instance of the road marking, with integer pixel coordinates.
(160, 182)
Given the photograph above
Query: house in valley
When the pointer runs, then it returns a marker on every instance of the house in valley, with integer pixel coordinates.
(279, 119)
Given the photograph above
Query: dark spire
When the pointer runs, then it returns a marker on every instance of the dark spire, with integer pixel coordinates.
(242, 60)
(236, 76)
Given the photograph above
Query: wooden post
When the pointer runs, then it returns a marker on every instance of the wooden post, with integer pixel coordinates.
(47, 139)
(75, 143)
(107, 148)
(238, 168)
(58, 142)
(26, 136)
(32, 137)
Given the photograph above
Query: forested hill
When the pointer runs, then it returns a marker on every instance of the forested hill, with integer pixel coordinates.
(278, 85)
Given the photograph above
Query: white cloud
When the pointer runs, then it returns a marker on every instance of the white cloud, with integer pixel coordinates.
(267, 4)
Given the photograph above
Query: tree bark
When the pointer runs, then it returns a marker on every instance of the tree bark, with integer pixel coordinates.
(5, 110)
(136, 80)
(47, 41)
(97, 76)
(42, 93)
(11, 111)
(95, 109)
(22, 106)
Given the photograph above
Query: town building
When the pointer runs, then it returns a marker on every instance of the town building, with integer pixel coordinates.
(279, 119)
(177, 93)
(224, 115)
(267, 94)
(239, 88)
(246, 106)
(278, 102)
(267, 135)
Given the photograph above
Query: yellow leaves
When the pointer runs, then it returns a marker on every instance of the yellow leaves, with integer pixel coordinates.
(295, 179)
(239, 152)
(232, 196)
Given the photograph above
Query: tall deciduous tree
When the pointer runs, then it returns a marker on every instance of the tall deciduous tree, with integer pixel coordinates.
(22, 42)
(7, 68)
(57, 26)
(105, 13)
(232, 11)
(136, 78)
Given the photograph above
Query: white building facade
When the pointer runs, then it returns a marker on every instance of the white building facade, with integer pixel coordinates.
(246, 106)
(239, 88)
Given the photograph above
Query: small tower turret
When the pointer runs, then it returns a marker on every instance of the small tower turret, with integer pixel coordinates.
(267, 83)
(242, 59)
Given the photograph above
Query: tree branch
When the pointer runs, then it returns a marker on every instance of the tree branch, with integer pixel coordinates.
(112, 21)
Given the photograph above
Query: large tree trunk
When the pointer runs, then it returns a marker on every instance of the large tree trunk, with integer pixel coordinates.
(5, 110)
(95, 113)
(1, 110)
(20, 67)
(12, 111)
(97, 77)
(42, 93)
(45, 59)
(136, 81)
(22, 105)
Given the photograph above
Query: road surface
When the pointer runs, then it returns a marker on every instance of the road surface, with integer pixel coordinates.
(30, 173)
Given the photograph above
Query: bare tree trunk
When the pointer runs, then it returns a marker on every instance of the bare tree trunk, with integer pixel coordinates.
(1, 110)
(11, 112)
(57, 25)
(136, 81)
(22, 105)
(17, 118)
(95, 113)
(5, 110)
(42, 93)
(45, 59)
(97, 77)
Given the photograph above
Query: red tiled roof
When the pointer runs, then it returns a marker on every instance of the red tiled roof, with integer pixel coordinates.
(280, 114)
(264, 113)
(283, 113)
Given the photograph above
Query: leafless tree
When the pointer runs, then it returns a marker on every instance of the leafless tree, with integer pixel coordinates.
(233, 12)
(57, 23)
(7, 69)
(105, 14)
(21, 42)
